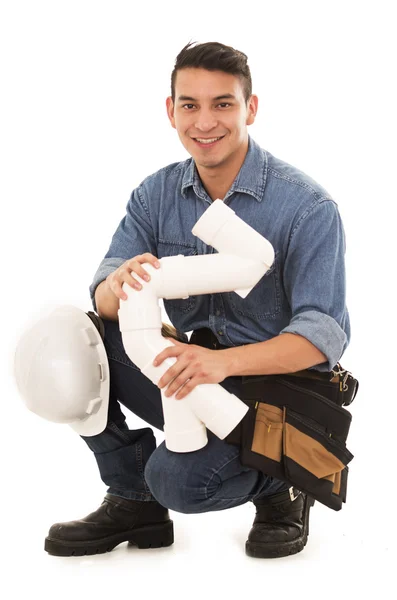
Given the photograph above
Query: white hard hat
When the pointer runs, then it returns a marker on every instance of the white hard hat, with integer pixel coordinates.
(62, 371)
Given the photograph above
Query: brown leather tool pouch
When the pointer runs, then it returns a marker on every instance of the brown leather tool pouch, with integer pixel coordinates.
(296, 427)
(296, 431)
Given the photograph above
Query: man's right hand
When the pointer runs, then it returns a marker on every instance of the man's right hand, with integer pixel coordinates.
(124, 274)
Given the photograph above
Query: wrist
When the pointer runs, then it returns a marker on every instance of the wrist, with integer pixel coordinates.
(231, 361)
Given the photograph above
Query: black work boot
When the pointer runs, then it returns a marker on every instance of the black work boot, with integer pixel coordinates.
(117, 520)
(281, 525)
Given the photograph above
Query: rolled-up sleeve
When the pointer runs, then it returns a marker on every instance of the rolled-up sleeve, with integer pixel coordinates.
(315, 282)
(133, 236)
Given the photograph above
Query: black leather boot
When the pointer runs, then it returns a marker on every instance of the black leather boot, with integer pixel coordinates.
(281, 525)
(117, 520)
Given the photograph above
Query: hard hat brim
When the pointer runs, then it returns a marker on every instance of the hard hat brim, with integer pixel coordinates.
(94, 424)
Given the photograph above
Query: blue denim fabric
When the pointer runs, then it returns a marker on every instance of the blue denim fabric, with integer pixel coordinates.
(211, 478)
(302, 293)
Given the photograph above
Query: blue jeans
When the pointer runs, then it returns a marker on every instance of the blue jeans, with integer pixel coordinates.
(211, 478)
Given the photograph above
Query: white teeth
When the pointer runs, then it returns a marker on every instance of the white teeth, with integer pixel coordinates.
(208, 141)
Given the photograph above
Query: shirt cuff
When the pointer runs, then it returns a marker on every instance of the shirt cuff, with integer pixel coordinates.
(323, 332)
(107, 266)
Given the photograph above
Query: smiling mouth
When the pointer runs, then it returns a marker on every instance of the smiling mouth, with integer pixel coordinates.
(208, 141)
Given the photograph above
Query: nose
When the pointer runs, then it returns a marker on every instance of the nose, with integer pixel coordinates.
(205, 121)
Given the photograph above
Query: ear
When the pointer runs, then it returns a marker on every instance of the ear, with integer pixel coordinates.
(170, 111)
(252, 109)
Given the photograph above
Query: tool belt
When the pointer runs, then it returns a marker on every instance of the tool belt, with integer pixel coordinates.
(296, 427)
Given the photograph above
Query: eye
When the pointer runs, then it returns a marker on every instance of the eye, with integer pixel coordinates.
(187, 106)
(224, 104)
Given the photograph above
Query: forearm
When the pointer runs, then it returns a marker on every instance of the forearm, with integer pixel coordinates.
(285, 353)
(107, 302)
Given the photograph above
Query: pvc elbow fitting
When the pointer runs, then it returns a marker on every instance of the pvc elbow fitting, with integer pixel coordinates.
(243, 258)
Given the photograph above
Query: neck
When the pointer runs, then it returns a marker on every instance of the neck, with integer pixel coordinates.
(218, 180)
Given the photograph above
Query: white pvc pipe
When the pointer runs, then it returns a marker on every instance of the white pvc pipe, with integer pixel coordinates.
(244, 257)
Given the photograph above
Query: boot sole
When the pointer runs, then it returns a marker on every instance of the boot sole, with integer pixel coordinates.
(152, 536)
(280, 549)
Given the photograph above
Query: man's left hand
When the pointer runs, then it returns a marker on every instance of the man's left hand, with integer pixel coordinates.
(194, 365)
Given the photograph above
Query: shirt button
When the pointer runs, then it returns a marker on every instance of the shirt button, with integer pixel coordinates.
(220, 332)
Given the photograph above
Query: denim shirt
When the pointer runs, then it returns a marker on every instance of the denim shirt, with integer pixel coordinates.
(303, 292)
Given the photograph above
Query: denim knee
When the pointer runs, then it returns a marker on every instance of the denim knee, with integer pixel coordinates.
(174, 486)
(114, 344)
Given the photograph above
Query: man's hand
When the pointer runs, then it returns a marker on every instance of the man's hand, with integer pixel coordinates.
(194, 365)
(124, 274)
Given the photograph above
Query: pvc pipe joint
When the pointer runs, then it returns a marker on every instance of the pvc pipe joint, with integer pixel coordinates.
(244, 256)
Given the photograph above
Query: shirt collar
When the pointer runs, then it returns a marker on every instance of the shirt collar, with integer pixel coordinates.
(251, 179)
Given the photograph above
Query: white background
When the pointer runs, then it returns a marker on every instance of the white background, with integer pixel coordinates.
(83, 121)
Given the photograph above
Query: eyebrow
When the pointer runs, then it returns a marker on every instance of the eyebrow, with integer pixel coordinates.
(222, 97)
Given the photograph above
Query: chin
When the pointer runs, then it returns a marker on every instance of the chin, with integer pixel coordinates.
(209, 164)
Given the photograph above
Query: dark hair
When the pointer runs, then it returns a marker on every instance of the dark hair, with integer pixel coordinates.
(214, 56)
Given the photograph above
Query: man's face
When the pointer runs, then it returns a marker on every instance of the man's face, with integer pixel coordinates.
(210, 115)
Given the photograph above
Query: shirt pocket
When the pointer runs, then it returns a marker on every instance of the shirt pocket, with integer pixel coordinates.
(264, 300)
(168, 248)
